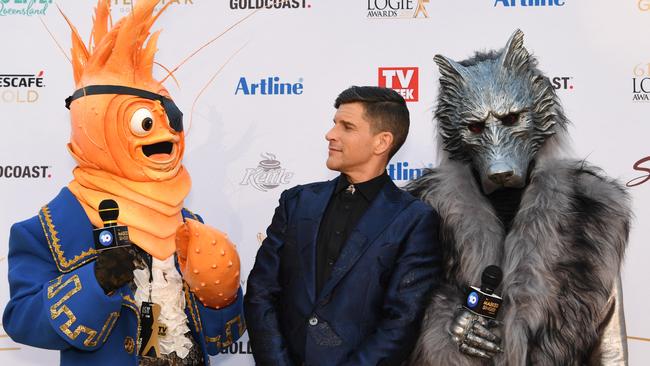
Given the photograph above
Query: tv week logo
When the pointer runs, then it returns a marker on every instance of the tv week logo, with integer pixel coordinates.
(404, 80)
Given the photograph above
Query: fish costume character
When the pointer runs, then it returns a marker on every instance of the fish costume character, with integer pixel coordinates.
(128, 141)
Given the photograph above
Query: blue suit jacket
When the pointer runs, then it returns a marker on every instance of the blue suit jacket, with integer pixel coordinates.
(369, 310)
(56, 302)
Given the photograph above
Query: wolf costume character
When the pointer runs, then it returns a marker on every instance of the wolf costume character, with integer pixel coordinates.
(558, 228)
(127, 138)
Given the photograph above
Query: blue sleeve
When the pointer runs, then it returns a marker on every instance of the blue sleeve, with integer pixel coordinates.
(414, 276)
(224, 326)
(51, 310)
(263, 292)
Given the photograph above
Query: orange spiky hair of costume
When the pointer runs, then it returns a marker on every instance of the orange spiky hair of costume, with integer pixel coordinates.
(125, 143)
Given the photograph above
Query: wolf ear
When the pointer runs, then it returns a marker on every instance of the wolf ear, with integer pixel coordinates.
(515, 56)
(451, 70)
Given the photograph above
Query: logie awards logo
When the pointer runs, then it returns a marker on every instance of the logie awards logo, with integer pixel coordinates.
(641, 83)
(397, 9)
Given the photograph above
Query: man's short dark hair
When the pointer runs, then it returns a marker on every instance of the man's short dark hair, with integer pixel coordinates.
(384, 108)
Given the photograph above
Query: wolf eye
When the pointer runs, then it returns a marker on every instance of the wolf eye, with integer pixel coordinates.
(476, 127)
(141, 122)
(510, 119)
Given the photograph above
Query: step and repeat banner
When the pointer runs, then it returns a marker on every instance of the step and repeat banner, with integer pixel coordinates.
(258, 102)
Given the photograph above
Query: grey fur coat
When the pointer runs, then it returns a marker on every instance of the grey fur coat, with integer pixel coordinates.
(561, 262)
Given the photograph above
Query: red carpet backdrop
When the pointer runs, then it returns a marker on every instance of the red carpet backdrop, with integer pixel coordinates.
(260, 102)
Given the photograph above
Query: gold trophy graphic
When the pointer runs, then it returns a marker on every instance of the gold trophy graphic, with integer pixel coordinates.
(421, 9)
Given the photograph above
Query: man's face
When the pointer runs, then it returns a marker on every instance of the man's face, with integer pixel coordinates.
(351, 140)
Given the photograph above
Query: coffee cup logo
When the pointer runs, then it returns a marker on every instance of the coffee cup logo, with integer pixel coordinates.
(267, 175)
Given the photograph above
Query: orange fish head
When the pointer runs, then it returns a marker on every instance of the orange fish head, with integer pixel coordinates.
(150, 147)
(126, 135)
(124, 132)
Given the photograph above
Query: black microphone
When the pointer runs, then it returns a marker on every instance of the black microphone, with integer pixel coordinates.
(111, 235)
(483, 301)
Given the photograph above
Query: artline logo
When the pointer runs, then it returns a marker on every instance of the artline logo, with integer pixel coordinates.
(641, 83)
(562, 82)
(397, 9)
(644, 5)
(268, 4)
(20, 88)
(267, 175)
(400, 171)
(404, 80)
(271, 85)
(25, 171)
(528, 3)
(24, 7)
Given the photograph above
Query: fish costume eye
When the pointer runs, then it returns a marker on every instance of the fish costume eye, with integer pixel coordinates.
(142, 122)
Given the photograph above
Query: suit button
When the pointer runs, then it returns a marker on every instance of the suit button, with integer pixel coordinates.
(129, 345)
(313, 321)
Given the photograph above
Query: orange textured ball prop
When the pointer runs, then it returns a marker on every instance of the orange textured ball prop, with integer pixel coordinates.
(209, 263)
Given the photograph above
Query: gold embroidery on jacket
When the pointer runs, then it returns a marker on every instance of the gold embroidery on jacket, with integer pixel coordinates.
(59, 308)
(131, 304)
(240, 326)
(216, 340)
(62, 263)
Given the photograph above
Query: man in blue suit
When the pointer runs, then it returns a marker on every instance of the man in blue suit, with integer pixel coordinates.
(344, 273)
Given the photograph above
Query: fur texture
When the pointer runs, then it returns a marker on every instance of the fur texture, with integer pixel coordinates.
(561, 260)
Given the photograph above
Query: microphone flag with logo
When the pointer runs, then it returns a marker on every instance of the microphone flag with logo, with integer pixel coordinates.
(483, 301)
(111, 235)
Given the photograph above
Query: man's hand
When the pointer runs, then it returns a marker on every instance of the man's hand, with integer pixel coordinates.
(473, 335)
(114, 268)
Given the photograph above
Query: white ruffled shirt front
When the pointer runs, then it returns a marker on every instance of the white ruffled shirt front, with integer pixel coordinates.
(166, 291)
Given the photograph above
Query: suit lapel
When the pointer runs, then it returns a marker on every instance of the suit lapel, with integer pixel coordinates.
(310, 213)
(382, 211)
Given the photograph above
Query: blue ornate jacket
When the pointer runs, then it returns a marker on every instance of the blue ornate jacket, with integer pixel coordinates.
(56, 302)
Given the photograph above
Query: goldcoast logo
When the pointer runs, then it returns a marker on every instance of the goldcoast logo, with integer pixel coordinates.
(20, 88)
(562, 82)
(25, 171)
(24, 7)
(644, 5)
(268, 4)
